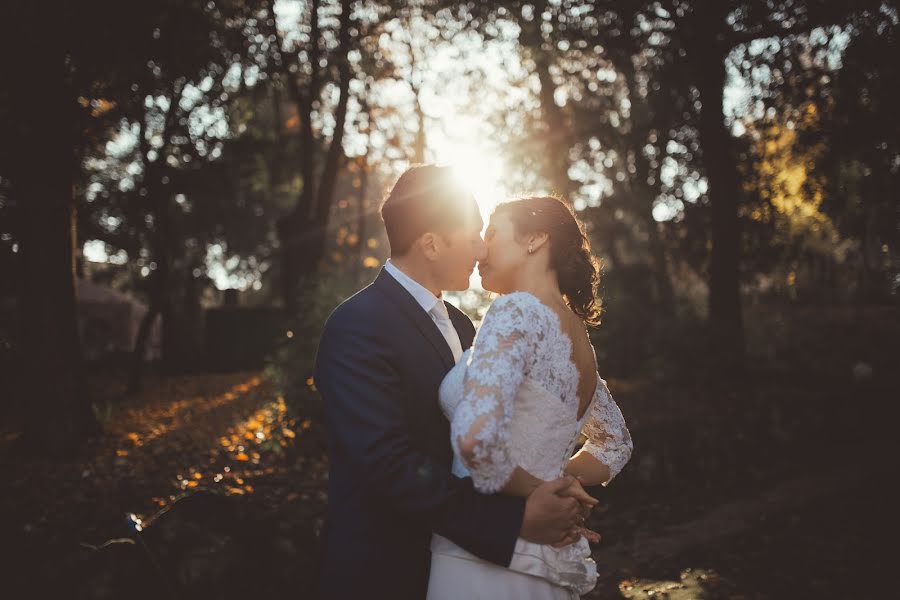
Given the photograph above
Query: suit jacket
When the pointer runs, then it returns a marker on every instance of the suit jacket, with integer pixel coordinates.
(380, 362)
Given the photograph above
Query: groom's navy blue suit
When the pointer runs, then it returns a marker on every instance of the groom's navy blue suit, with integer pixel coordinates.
(380, 362)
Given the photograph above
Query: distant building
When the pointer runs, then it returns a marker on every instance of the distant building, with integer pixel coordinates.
(108, 321)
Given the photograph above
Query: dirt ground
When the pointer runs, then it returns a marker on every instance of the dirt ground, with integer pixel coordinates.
(776, 486)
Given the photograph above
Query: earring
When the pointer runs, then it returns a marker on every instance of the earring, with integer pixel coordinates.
(530, 249)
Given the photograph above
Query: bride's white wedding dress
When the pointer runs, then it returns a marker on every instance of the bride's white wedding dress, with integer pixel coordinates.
(516, 389)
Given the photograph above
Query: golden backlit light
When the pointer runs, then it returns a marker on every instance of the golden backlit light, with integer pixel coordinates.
(479, 170)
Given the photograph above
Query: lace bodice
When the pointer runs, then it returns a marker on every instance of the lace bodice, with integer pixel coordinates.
(515, 392)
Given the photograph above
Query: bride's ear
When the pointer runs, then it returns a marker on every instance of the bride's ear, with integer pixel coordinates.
(536, 240)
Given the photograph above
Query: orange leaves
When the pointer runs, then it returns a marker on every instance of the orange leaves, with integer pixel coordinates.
(226, 433)
(292, 124)
(99, 106)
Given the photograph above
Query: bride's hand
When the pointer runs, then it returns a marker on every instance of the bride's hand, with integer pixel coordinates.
(575, 490)
(586, 502)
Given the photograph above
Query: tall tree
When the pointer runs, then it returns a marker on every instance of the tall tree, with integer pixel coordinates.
(302, 231)
(651, 106)
(860, 165)
(40, 128)
(149, 195)
(75, 69)
(709, 30)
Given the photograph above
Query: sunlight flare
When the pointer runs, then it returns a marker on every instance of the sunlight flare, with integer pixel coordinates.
(478, 169)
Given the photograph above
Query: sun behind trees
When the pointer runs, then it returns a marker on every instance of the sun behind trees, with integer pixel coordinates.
(214, 170)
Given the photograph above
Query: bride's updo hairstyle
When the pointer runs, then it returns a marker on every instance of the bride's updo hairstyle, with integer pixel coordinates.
(577, 270)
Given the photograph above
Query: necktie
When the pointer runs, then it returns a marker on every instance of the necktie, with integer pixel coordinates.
(442, 320)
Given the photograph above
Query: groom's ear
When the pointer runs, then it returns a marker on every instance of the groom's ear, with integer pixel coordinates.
(429, 244)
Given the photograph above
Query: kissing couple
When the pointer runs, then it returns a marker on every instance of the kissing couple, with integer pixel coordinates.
(452, 474)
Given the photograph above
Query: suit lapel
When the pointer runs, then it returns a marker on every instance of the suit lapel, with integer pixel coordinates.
(413, 311)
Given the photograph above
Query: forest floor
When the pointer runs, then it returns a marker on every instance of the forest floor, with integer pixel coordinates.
(777, 486)
(820, 535)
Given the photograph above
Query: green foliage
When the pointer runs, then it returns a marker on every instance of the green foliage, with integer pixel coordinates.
(291, 365)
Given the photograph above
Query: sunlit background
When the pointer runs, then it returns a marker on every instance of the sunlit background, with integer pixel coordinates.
(189, 189)
(473, 94)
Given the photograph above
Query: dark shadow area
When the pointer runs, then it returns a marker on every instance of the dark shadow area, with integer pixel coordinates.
(188, 189)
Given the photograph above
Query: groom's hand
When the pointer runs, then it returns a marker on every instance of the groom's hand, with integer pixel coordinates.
(550, 517)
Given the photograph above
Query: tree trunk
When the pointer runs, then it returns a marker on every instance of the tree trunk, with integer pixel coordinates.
(53, 391)
(554, 130)
(874, 289)
(192, 315)
(165, 239)
(643, 193)
(420, 139)
(290, 228)
(724, 194)
(303, 233)
(135, 376)
(660, 262)
(362, 214)
(556, 134)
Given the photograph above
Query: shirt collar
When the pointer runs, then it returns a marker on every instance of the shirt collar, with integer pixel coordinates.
(420, 293)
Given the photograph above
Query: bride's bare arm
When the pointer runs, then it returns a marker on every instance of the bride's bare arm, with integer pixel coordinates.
(521, 483)
(587, 468)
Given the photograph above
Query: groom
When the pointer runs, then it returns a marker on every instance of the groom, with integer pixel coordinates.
(381, 359)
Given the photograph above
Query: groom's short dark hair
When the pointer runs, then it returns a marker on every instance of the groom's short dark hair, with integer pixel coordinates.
(425, 198)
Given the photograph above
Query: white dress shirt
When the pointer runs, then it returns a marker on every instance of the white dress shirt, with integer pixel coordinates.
(431, 304)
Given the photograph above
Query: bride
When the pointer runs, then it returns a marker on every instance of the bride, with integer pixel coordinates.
(519, 397)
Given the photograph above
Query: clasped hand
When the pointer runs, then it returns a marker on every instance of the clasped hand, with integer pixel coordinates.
(556, 511)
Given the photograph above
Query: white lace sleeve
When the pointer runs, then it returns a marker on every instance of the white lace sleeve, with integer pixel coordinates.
(608, 439)
(501, 357)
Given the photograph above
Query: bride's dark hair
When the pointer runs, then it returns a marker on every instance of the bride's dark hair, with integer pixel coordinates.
(577, 270)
